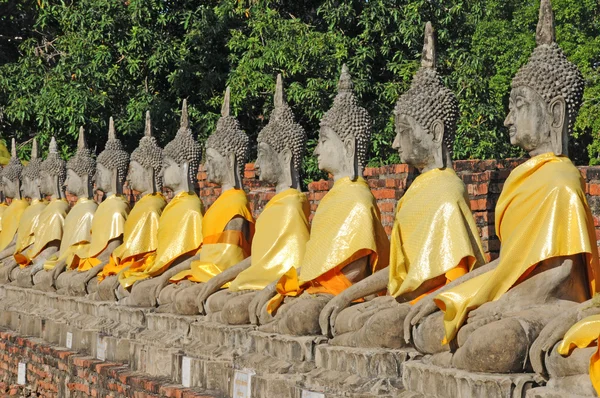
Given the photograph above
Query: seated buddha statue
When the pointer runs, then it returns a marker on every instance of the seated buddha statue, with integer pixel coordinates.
(179, 233)
(11, 182)
(347, 241)
(109, 219)
(492, 315)
(77, 224)
(282, 229)
(434, 239)
(49, 230)
(566, 351)
(30, 176)
(141, 227)
(227, 226)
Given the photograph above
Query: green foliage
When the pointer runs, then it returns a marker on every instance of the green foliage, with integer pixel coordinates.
(80, 62)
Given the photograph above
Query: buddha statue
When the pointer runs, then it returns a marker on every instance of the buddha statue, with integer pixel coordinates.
(227, 226)
(11, 182)
(179, 227)
(3, 205)
(109, 219)
(347, 241)
(566, 351)
(77, 225)
(49, 230)
(282, 229)
(30, 178)
(492, 315)
(429, 247)
(141, 228)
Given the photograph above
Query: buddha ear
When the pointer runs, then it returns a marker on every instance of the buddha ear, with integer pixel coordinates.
(437, 131)
(185, 175)
(350, 152)
(234, 176)
(558, 112)
(286, 157)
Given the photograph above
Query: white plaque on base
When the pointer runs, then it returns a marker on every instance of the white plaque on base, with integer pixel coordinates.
(186, 371)
(69, 342)
(242, 380)
(312, 394)
(101, 349)
(22, 374)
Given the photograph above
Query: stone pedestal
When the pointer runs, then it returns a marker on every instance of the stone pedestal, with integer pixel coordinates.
(424, 380)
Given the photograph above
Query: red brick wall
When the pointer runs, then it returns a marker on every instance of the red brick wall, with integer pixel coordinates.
(52, 372)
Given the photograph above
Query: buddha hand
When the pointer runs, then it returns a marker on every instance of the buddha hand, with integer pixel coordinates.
(207, 290)
(330, 313)
(259, 301)
(423, 308)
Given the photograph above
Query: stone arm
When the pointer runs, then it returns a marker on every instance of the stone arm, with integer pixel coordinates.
(554, 332)
(426, 306)
(217, 281)
(9, 251)
(260, 300)
(368, 286)
(79, 282)
(42, 257)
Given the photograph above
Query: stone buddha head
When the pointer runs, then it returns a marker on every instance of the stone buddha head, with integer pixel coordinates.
(112, 164)
(181, 158)
(30, 176)
(81, 169)
(146, 163)
(426, 115)
(226, 150)
(11, 175)
(281, 145)
(53, 173)
(546, 94)
(344, 134)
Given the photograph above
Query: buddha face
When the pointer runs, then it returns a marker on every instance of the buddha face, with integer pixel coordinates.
(531, 121)
(11, 188)
(414, 143)
(74, 183)
(103, 178)
(172, 174)
(30, 187)
(47, 183)
(137, 177)
(268, 165)
(217, 166)
(333, 155)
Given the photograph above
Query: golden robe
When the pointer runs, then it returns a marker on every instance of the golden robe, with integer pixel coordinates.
(3, 207)
(28, 224)
(10, 221)
(282, 230)
(542, 213)
(221, 249)
(434, 233)
(49, 228)
(179, 233)
(346, 227)
(108, 224)
(77, 232)
(581, 335)
(140, 237)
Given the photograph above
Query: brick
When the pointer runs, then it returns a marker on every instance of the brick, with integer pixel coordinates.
(386, 207)
(593, 189)
(385, 193)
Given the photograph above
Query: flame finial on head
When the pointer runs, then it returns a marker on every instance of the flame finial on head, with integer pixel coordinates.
(345, 83)
(13, 149)
(278, 99)
(81, 144)
(112, 134)
(53, 148)
(148, 127)
(34, 149)
(225, 108)
(428, 59)
(184, 121)
(545, 33)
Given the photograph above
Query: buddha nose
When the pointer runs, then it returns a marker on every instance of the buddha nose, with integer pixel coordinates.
(508, 122)
(396, 143)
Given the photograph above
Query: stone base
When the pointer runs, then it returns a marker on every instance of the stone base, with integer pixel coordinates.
(546, 392)
(424, 380)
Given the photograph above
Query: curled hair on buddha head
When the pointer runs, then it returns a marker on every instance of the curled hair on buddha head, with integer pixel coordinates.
(82, 163)
(184, 147)
(113, 157)
(34, 167)
(282, 131)
(348, 119)
(14, 168)
(54, 165)
(148, 154)
(427, 99)
(229, 137)
(548, 71)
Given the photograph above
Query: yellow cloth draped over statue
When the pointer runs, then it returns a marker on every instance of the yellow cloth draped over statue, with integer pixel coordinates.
(10, 221)
(108, 224)
(434, 233)
(542, 213)
(282, 230)
(346, 227)
(140, 236)
(581, 335)
(28, 224)
(3, 207)
(179, 233)
(77, 231)
(221, 249)
(49, 228)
